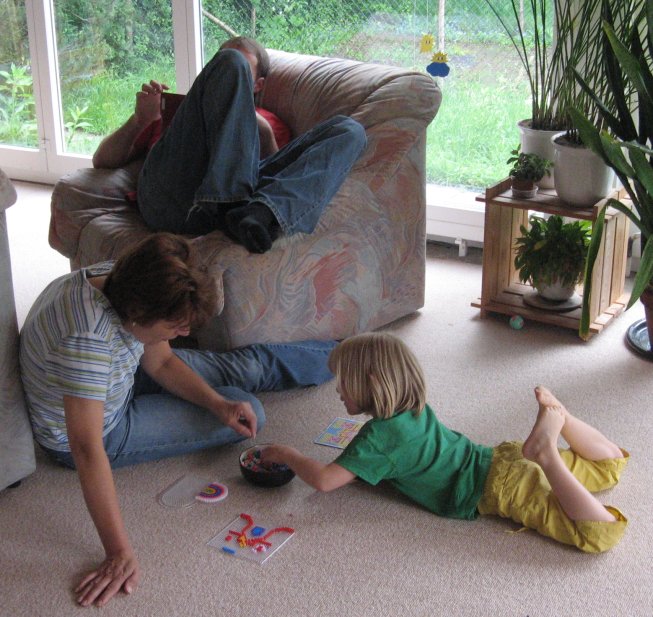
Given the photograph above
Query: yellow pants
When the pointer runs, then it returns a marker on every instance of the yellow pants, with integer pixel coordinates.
(517, 488)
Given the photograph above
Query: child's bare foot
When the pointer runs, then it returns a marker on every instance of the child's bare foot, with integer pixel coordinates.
(582, 438)
(544, 396)
(542, 443)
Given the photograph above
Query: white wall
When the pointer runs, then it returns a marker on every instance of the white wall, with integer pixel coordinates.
(33, 263)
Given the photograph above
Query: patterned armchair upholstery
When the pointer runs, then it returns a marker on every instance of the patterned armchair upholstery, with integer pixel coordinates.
(363, 266)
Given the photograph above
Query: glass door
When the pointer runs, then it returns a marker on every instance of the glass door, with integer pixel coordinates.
(105, 51)
(17, 109)
(69, 73)
(20, 141)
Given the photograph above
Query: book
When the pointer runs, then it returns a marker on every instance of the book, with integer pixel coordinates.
(170, 102)
(339, 433)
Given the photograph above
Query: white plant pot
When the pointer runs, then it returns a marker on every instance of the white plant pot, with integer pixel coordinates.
(555, 292)
(581, 178)
(538, 142)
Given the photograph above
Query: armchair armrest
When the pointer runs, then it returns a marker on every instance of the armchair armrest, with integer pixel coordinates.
(394, 105)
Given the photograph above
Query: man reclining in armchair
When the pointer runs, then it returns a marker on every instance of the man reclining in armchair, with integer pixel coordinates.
(205, 171)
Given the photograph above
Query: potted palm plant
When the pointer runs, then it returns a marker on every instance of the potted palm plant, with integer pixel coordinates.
(550, 69)
(627, 149)
(546, 66)
(527, 169)
(550, 255)
(583, 178)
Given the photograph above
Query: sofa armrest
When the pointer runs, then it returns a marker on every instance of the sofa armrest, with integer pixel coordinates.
(394, 105)
(305, 90)
(80, 197)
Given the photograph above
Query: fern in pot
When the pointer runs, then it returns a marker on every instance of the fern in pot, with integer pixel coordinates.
(583, 177)
(547, 64)
(550, 255)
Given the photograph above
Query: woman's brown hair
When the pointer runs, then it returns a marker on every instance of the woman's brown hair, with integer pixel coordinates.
(161, 279)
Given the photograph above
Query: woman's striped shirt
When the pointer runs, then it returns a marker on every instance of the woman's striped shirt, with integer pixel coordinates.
(73, 343)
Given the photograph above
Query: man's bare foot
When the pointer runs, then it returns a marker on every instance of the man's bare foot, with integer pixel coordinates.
(542, 443)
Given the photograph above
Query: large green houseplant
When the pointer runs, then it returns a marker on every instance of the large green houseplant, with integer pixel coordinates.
(550, 255)
(626, 146)
(583, 178)
(552, 37)
(549, 62)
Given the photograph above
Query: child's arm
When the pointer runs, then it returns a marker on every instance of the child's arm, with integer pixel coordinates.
(318, 475)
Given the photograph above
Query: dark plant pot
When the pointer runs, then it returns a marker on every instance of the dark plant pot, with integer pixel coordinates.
(647, 300)
(523, 189)
(640, 334)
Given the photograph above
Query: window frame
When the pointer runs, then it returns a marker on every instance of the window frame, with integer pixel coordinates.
(50, 161)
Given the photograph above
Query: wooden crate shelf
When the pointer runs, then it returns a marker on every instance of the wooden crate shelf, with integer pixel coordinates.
(502, 292)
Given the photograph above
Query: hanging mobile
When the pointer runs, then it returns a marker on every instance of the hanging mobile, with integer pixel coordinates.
(426, 44)
(438, 66)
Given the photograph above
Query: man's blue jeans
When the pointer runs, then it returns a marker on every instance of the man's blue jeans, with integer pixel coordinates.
(157, 424)
(209, 158)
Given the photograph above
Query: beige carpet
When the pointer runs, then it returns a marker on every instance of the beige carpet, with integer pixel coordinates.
(361, 550)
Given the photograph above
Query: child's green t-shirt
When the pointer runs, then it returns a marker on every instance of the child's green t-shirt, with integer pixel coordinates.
(438, 468)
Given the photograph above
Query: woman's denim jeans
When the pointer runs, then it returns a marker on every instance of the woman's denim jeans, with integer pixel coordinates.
(157, 424)
(209, 159)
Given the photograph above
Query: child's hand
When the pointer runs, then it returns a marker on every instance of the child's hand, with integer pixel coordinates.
(276, 454)
(315, 473)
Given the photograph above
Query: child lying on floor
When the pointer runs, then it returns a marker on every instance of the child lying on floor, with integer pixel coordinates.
(534, 483)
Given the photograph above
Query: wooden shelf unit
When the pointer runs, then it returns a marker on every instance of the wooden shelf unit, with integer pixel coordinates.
(502, 292)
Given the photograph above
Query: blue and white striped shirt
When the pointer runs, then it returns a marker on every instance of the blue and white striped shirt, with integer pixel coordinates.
(73, 343)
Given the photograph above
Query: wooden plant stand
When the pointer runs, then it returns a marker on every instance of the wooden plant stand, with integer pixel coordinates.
(502, 292)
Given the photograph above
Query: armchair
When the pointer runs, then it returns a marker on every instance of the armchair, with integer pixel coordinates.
(363, 266)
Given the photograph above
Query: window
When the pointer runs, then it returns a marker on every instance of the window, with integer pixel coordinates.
(92, 57)
(68, 73)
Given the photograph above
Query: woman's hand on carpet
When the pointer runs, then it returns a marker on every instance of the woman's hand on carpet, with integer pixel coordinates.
(116, 573)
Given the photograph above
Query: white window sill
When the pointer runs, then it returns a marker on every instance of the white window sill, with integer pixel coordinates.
(453, 215)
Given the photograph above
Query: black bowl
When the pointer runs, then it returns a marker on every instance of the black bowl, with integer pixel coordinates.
(275, 475)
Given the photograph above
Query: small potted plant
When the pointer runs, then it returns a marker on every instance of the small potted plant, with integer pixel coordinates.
(527, 169)
(550, 255)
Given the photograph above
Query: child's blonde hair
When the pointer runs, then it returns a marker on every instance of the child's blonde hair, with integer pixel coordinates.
(380, 374)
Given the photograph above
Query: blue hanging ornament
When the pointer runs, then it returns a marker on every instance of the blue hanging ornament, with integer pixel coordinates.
(438, 66)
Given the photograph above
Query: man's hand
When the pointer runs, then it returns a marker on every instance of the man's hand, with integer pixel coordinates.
(116, 573)
(118, 148)
(148, 103)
